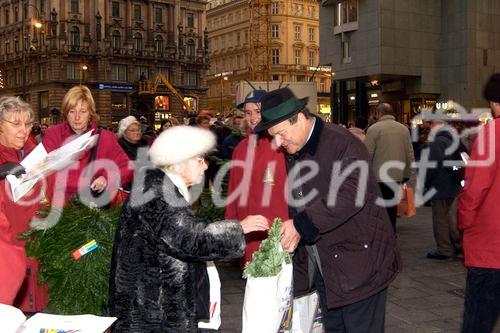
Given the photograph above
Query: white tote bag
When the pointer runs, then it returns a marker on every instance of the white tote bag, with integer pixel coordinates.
(306, 316)
(215, 320)
(268, 302)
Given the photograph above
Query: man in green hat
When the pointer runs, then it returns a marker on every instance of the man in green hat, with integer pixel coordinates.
(343, 241)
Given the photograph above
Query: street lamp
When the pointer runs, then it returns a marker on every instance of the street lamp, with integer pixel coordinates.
(223, 78)
(83, 69)
(35, 22)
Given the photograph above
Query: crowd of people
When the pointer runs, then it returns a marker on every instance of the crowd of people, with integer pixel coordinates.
(285, 162)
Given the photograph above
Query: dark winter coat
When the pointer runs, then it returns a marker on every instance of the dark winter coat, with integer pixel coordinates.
(441, 178)
(356, 243)
(159, 281)
(131, 148)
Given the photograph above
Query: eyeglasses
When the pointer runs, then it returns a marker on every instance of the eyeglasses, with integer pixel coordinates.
(201, 160)
(133, 130)
(18, 124)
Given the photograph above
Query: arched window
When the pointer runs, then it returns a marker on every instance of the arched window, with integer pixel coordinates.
(159, 44)
(138, 42)
(190, 49)
(116, 40)
(75, 37)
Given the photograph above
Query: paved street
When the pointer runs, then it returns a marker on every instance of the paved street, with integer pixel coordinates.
(427, 296)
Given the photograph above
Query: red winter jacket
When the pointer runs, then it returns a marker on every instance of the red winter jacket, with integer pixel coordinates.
(14, 219)
(251, 197)
(478, 208)
(107, 149)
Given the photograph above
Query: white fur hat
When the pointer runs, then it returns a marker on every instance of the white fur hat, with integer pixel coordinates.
(180, 143)
(125, 123)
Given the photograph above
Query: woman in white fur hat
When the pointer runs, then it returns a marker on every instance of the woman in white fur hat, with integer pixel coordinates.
(130, 136)
(159, 281)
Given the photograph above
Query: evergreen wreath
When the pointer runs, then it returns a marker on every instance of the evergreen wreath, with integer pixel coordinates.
(76, 286)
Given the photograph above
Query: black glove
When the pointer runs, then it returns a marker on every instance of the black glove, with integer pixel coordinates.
(11, 168)
(406, 180)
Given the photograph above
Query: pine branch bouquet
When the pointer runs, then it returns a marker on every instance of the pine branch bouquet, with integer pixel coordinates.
(76, 286)
(267, 261)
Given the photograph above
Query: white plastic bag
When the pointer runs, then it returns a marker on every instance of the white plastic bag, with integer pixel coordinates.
(267, 302)
(215, 320)
(306, 316)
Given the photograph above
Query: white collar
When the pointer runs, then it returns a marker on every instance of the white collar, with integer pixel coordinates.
(180, 184)
(312, 129)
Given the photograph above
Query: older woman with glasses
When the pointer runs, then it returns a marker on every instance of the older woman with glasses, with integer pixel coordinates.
(112, 168)
(159, 281)
(18, 274)
(130, 136)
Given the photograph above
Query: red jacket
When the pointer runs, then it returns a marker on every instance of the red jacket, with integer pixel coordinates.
(251, 196)
(14, 219)
(107, 149)
(478, 208)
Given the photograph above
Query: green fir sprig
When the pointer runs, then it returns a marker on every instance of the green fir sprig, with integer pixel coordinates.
(267, 261)
(76, 286)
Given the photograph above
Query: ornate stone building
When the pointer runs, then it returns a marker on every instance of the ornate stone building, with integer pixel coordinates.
(46, 47)
(293, 45)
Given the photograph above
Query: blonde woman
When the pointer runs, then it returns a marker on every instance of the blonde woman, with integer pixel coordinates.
(79, 113)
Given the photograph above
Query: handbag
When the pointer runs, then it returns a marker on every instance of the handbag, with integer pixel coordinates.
(406, 206)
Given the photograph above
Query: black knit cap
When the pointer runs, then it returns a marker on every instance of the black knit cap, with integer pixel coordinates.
(492, 89)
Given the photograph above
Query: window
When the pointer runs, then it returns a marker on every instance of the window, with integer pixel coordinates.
(311, 34)
(137, 12)
(159, 44)
(345, 12)
(158, 15)
(298, 56)
(346, 52)
(115, 9)
(42, 72)
(190, 20)
(72, 71)
(16, 14)
(7, 46)
(301, 78)
(7, 16)
(275, 56)
(16, 45)
(119, 72)
(246, 37)
(164, 71)
(298, 30)
(276, 77)
(42, 6)
(138, 42)
(116, 40)
(275, 33)
(246, 59)
(74, 6)
(18, 77)
(190, 52)
(118, 101)
(43, 98)
(190, 78)
(222, 42)
(274, 8)
(141, 73)
(322, 85)
(311, 58)
(74, 38)
(238, 38)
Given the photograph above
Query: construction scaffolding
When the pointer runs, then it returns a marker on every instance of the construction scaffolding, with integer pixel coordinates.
(260, 40)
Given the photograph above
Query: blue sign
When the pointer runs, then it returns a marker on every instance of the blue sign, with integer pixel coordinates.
(115, 86)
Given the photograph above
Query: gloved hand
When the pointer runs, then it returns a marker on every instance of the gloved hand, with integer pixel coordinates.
(11, 168)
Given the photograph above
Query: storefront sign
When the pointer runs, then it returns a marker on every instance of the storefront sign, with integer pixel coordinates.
(115, 86)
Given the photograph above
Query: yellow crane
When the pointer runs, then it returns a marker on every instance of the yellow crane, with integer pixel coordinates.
(147, 87)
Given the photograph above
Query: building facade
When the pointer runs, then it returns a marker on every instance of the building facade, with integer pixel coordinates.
(46, 47)
(412, 53)
(293, 47)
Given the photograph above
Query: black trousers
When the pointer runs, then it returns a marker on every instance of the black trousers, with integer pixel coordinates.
(482, 300)
(365, 316)
(388, 194)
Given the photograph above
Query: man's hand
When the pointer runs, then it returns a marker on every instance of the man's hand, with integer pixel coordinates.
(290, 238)
(253, 223)
(11, 168)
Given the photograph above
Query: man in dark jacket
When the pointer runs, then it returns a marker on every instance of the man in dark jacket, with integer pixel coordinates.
(444, 180)
(344, 244)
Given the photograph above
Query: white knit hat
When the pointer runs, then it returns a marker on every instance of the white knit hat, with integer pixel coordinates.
(125, 123)
(180, 143)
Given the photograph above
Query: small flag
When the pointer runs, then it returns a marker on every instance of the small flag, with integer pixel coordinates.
(90, 246)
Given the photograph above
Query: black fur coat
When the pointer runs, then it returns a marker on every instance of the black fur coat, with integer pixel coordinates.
(159, 281)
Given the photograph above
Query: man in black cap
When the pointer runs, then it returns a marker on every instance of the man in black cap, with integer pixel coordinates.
(344, 244)
(478, 212)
